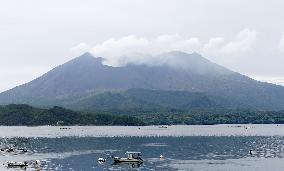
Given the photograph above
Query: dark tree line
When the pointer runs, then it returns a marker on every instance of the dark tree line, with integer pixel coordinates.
(20, 114)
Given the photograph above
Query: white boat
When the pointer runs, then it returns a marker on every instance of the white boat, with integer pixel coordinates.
(163, 126)
(132, 157)
(17, 164)
(101, 160)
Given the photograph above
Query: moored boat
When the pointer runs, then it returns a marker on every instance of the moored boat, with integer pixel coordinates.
(17, 164)
(132, 157)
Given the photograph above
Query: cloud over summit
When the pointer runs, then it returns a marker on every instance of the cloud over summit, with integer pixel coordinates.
(128, 49)
(122, 50)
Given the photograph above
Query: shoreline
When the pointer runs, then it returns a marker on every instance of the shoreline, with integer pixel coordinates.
(143, 131)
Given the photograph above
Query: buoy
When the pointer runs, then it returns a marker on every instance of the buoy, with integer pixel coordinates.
(37, 162)
(247, 127)
(251, 152)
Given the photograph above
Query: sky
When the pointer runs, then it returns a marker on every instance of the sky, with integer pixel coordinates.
(37, 35)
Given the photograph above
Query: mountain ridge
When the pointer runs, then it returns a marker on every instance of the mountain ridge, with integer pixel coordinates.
(86, 76)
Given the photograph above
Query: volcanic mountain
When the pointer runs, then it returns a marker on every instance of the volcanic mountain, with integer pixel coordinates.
(185, 81)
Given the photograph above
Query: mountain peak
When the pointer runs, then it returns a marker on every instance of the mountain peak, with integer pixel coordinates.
(86, 58)
(86, 55)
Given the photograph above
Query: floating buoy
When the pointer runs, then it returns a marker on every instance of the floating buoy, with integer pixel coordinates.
(247, 127)
(37, 162)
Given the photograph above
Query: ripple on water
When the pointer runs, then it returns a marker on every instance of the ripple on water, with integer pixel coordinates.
(181, 153)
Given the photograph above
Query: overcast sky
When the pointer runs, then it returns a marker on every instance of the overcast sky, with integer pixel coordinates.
(37, 35)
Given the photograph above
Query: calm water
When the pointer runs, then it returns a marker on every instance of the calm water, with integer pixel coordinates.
(219, 147)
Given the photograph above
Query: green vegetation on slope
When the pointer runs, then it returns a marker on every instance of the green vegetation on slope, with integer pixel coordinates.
(142, 99)
(243, 116)
(26, 115)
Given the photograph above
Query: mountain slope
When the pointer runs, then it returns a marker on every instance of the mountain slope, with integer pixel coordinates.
(144, 100)
(86, 77)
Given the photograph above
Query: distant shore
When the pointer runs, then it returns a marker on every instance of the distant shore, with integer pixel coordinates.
(145, 131)
(24, 115)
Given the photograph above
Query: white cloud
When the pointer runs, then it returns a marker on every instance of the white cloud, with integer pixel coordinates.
(175, 42)
(125, 50)
(214, 45)
(281, 44)
(243, 42)
(115, 50)
(79, 49)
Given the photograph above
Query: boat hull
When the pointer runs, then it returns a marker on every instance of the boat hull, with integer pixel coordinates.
(126, 160)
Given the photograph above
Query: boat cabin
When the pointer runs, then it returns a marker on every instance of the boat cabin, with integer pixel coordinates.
(133, 155)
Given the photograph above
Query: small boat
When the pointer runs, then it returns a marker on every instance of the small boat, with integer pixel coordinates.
(101, 160)
(23, 150)
(132, 157)
(10, 150)
(14, 150)
(17, 164)
(163, 126)
(64, 128)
